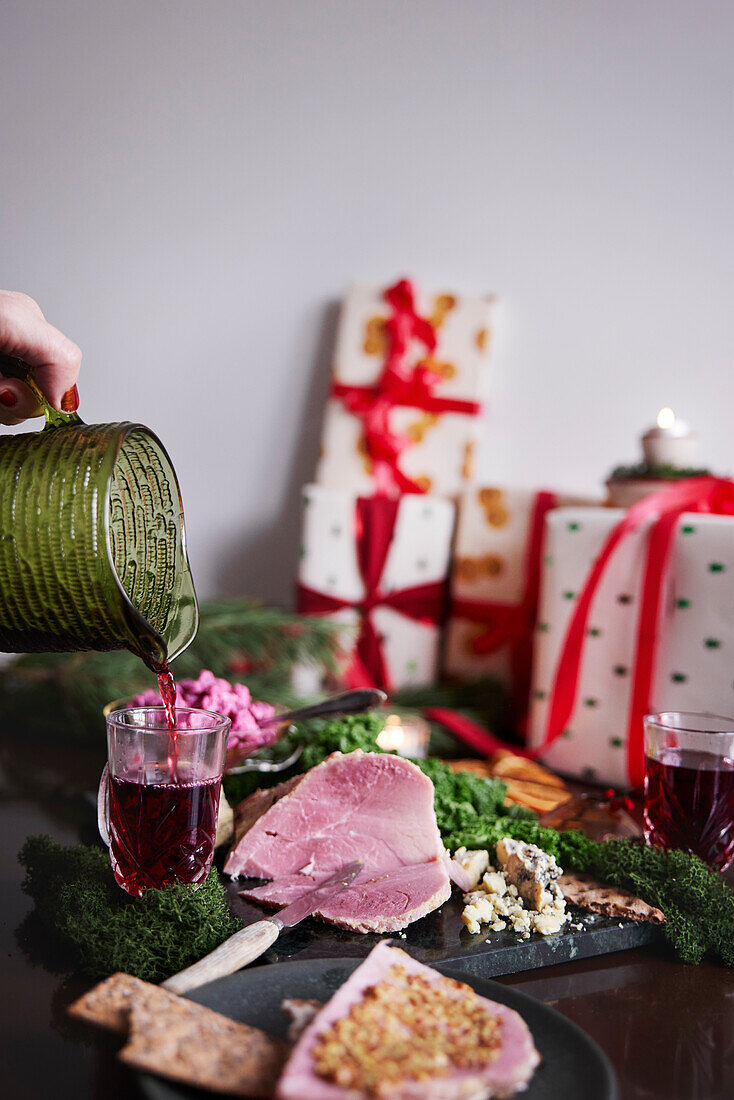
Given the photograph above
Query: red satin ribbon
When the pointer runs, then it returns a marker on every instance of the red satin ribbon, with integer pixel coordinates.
(375, 526)
(514, 624)
(468, 731)
(398, 385)
(705, 495)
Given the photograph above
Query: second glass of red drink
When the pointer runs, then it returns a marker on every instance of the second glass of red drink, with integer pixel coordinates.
(689, 784)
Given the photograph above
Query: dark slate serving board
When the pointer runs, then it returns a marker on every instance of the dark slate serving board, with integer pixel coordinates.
(442, 937)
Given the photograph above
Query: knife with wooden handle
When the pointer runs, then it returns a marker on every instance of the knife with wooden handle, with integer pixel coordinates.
(249, 943)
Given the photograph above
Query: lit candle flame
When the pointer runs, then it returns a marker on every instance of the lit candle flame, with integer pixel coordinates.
(392, 736)
(666, 419)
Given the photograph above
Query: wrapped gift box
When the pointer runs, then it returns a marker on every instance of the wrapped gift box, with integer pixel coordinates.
(494, 586)
(380, 566)
(695, 631)
(408, 373)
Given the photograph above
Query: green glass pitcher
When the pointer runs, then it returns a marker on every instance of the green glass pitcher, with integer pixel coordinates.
(92, 539)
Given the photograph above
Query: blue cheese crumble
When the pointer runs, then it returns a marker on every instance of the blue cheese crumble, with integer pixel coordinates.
(521, 894)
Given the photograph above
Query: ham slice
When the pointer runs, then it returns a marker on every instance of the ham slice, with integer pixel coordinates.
(505, 1070)
(382, 903)
(370, 806)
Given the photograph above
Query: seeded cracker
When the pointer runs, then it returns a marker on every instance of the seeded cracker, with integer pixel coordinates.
(192, 1044)
(176, 1038)
(109, 1003)
(588, 893)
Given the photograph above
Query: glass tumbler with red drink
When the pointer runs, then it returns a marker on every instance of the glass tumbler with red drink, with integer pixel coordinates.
(689, 784)
(159, 795)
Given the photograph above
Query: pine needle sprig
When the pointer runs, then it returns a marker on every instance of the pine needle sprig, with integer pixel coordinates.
(62, 694)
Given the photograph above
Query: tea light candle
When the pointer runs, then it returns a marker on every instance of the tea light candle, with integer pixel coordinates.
(670, 443)
(406, 734)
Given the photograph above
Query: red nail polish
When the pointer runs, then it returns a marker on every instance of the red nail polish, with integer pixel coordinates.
(8, 399)
(70, 400)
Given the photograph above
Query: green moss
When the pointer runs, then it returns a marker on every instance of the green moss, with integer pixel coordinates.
(79, 903)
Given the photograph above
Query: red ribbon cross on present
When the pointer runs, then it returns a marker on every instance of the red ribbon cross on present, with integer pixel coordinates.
(399, 385)
(375, 519)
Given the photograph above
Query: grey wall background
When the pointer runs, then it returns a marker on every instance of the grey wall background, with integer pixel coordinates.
(188, 187)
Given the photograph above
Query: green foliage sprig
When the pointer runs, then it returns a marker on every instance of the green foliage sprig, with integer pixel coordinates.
(62, 694)
(104, 930)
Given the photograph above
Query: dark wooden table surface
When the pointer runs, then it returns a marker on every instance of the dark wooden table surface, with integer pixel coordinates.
(667, 1028)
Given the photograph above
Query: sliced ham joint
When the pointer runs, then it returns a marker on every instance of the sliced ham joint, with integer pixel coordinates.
(370, 806)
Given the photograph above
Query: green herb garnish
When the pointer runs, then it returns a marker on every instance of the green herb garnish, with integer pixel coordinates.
(356, 731)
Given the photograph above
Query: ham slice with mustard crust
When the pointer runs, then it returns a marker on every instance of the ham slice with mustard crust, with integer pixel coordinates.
(400, 1030)
(370, 806)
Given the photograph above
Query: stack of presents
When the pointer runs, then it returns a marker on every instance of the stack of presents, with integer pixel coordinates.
(590, 615)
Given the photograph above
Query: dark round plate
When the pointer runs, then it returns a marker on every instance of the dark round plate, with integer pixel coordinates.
(573, 1066)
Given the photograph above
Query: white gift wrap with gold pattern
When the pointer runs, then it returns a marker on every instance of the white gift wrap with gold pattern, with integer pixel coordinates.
(492, 532)
(695, 665)
(439, 457)
(419, 554)
(491, 538)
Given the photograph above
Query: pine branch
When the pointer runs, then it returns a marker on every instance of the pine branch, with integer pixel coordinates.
(62, 694)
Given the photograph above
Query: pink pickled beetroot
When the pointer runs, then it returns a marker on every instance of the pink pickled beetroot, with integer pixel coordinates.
(234, 701)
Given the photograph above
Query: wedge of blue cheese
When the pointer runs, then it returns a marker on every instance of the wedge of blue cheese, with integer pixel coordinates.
(531, 870)
(522, 896)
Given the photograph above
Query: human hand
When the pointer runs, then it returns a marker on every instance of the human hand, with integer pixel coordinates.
(26, 334)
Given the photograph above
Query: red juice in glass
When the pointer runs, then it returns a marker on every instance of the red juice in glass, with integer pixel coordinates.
(689, 804)
(159, 795)
(162, 832)
(689, 785)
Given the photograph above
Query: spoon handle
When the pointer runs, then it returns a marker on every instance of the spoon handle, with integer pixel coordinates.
(349, 702)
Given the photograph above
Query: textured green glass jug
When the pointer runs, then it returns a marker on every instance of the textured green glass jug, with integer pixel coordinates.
(92, 539)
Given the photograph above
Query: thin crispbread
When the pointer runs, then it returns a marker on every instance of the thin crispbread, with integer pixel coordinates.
(508, 765)
(108, 1004)
(186, 1042)
(589, 893)
(535, 796)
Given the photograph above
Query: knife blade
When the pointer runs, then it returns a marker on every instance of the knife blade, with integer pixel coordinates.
(249, 943)
(308, 903)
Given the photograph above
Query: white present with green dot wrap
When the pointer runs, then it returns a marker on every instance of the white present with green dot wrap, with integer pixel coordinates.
(694, 668)
(379, 565)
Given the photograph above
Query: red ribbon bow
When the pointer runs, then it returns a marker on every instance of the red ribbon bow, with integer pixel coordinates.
(398, 385)
(513, 624)
(375, 526)
(710, 495)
